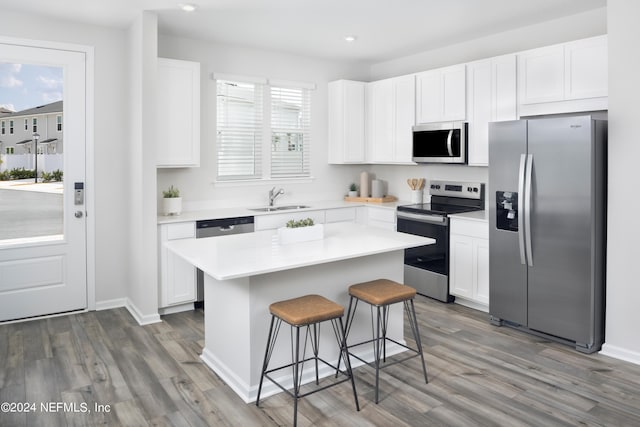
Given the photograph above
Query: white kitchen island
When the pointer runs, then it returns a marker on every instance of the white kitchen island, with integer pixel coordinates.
(245, 273)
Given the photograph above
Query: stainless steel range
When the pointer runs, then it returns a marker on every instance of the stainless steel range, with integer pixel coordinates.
(426, 268)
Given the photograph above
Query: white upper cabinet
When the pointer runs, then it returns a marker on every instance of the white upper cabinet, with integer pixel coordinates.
(491, 96)
(347, 103)
(391, 114)
(441, 95)
(178, 113)
(564, 78)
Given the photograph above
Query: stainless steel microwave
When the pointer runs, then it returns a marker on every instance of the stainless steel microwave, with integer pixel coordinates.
(440, 143)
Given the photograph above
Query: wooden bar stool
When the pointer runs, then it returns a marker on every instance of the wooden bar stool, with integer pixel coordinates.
(309, 311)
(381, 294)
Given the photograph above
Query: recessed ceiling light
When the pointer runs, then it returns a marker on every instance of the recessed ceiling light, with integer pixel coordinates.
(187, 7)
(350, 39)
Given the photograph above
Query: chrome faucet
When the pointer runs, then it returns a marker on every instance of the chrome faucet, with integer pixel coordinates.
(273, 194)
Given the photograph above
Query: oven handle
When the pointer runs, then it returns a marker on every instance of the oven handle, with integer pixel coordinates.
(429, 219)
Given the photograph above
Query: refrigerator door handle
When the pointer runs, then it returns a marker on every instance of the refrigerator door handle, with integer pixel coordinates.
(449, 146)
(521, 173)
(527, 210)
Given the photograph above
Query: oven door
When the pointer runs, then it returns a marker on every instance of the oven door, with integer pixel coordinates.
(430, 257)
(427, 267)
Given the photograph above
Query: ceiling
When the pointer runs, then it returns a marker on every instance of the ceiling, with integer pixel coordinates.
(385, 29)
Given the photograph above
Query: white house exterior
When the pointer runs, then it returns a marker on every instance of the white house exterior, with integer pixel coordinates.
(17, 142)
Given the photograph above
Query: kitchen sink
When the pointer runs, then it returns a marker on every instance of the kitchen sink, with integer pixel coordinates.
(278, 208)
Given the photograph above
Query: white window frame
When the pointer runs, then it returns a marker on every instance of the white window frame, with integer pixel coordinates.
(11, 123)
(26, 125)
(59, 122)
(2, 127)
(34, 122)
(267, 134)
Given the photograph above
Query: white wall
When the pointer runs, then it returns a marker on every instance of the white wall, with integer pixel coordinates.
(111, 138)
(197, 184)
(143, 290)
(582, 25)
(623, 268)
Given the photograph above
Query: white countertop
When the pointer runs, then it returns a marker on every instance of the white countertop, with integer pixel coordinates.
(250, 254)
(481, 216)
(246, 211)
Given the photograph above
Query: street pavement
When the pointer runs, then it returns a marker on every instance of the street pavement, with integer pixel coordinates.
(30, 210)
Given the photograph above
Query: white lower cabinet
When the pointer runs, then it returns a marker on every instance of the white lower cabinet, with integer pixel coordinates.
(469, 262)
(377, 217)
(177, 276)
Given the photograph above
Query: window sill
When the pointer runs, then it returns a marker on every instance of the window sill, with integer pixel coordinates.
(254, 182)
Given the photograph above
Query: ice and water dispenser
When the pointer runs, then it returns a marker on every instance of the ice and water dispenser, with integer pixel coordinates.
(507, 210)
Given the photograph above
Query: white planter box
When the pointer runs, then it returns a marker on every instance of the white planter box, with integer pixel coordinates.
(300, 234)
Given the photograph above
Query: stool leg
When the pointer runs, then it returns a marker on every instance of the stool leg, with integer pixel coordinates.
(267, 354)
(296, 383)
(377, 346)
(344, 351)
(347, 326)
(413, 321)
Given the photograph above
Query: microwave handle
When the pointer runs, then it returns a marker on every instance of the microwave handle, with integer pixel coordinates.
(449, 147)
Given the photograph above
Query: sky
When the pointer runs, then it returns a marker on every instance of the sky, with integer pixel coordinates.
(25, 86)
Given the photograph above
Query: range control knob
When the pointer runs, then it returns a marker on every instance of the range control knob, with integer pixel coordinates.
(475, 189)
(433, 186)
(469, 189)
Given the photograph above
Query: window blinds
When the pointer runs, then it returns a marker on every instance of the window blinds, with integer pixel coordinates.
(290, 132)
(239, 130)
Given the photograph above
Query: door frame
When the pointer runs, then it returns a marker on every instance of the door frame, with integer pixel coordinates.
(89, 52)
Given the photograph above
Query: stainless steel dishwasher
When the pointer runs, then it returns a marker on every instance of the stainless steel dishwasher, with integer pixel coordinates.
(216, 228)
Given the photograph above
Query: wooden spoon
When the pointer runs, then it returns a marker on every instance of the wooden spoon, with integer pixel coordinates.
(414, 181)
(409, 183)
(420, 183)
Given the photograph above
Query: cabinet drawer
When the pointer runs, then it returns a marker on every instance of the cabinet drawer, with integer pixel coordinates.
(181, 230)
(464, 227)
(382, 214)
(340, 215)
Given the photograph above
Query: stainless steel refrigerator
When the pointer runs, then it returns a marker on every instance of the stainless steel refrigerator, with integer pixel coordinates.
(547, 203)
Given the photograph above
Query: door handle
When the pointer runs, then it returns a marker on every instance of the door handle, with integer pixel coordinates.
(521, 174)
(449, 146)
(527, 210)
(78, 214)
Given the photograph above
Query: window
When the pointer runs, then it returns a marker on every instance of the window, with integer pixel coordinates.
(290, 133)
(10, 127)
(35, 124)
(239, 130)
(59, 123)
(26, 125)
(2, 124)
(9, 150)
(255, 144)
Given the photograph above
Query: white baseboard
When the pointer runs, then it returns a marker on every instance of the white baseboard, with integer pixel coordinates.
(142, 319)
(176, 309)
(111, 303)
(620, 353)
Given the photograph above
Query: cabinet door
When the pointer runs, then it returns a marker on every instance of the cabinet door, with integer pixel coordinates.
(340, 215)
(429, 97)
(461, 265)
(541, 76)
(441, 95)
(481, 270)
(347, 106)
(454, 93)
(381, 105)
(405, 117)
(504, 99)
(181, 280)
(178, 128)
(479, 101)
(586, 68)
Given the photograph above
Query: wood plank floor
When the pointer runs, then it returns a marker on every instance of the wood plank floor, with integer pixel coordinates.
(479, 375)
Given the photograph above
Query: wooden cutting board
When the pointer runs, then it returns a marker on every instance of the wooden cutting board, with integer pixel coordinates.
(385, 199)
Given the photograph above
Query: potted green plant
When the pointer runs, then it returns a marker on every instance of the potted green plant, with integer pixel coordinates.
(353, 190)
(300, 231)
(172, 202)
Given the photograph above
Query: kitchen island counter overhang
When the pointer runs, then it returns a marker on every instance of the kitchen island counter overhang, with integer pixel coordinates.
(245, 273)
